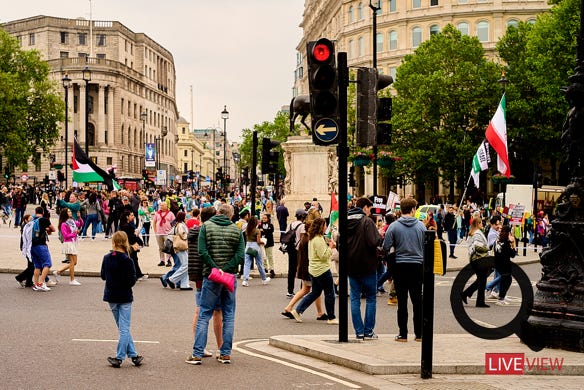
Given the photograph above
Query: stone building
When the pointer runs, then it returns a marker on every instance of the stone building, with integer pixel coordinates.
(194, 155)
(401, 26)
(130, 91)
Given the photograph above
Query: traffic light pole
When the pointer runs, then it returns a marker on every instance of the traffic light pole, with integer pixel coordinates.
(343, 153)
(374, 9)
(254, 163)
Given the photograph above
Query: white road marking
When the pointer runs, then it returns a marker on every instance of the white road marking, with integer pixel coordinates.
(292, 365)
(114, 341)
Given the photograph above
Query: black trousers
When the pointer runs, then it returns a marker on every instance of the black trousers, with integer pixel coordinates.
(27, 274)
(292, 266)
(407, 278)
(482, 268)
(452, 238)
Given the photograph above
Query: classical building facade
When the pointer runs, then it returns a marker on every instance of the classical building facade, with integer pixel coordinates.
(130, 91)
(193, 155)
(402, 25)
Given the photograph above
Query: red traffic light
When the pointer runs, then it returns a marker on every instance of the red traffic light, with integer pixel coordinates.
(322, 50)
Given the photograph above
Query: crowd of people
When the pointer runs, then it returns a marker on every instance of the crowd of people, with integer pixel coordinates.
(200, 238)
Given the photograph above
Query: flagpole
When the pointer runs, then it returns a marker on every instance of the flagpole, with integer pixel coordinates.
(465, 188)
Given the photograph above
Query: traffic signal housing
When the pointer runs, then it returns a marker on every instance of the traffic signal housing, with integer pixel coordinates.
(324, 91)
(219, 175)
(245, 176)
(6, 172)
(371, 110)
(144, 174)
(269, 158)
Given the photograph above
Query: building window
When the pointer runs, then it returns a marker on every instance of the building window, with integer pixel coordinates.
(101, 56)
(361, 48)
(351, 15)
(416, 3)
(64, 54)
(433, 3)
(75, 103)
(379, 42)
(186, 153)
(19, 39)
(360, 11)
(109, 161)
(31, 39)
(434, 29)
(100, 39)
(483, 31)
(64, 38)
(416, 36)
(379, 7)
(531, 21)
(393, 72)
(105, 137)
(82, 38)
(512, 22)
(463, 28)
(122, 107)
(351, 49)
(82, 55)
(392, 5)
(37, 167)
(462, 1)
(393, 40)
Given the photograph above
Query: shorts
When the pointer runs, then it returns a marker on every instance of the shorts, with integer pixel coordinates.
(198, 299)
(69, 248)
(41, 257)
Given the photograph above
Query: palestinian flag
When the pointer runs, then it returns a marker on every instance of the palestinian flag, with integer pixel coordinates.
(496, 134)
(85, 171)
(334, 215)
(480, 162)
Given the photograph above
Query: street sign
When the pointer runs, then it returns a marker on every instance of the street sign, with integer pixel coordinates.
(24, 177)
(326, 131)
(160, 177)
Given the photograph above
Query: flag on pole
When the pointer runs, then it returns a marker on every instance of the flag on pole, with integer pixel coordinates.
(334, 215)
(85, 171)
(496, 134)
(480, 162)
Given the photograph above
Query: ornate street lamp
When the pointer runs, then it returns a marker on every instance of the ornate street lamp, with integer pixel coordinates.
(87, 79)
(66, 84)
(224, 116)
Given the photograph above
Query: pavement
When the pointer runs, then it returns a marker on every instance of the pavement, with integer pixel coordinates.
(457, 358)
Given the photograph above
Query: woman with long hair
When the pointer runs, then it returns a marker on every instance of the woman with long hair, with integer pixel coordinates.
(302, 270)
(93, 207)
(504, 252)
(319, 257)
(180, 277)
(267, 231)
(477, 244)
(128, 226)
(120, 276)
(253, 251)
(45, 204)
(145, 214)
(68, 229)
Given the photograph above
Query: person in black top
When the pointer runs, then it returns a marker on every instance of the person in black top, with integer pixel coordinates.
(127, 226)
(267, 230)
(120, 276)
(115, 209)
(39, 251)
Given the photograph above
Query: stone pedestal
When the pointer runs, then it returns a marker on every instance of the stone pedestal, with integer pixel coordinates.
(311, 172)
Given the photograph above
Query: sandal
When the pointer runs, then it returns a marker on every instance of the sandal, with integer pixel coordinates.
(287, 314)
(401, 339)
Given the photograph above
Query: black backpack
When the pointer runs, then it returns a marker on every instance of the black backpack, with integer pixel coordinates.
(288, 239)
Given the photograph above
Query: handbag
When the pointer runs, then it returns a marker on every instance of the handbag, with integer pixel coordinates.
(479, 253)
(224, 278)
(178, 243)
(252, 252)
(168, 246)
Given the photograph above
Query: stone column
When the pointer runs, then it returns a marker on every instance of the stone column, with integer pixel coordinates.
(110, 116)
(311, 172)
(100, 129)
(81, 111)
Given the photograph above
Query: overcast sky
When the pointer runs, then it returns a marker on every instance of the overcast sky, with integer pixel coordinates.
(239, 53)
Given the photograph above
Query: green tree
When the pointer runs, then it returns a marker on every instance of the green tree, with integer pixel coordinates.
(31, 107)
(446, 93)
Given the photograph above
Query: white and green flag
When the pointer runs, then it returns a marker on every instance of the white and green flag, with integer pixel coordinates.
(480, 162)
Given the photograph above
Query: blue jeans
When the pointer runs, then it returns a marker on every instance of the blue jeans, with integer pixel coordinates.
(368, 286)
(18, 215)
(174, 269)
(123, 314)
(495, 284)
(212, 294)
(181, 275)
(320, 283)
(91, 219)
(249, 259)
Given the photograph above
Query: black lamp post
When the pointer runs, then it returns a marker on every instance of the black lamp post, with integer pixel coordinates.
(224, 116)
(87, 79)
(158, 140)
(375, 6)
(66, 85)
(214, 186)
(143, 117)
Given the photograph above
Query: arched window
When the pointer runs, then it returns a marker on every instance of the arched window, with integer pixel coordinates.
(361, 47)
(392, 5)
(379, 42)
(434, 29)
(416, 36)
(512, 22)
(483, 31)
(360, 11)
(462, 27)
(351, 49)
(393, 40)
(393, 72)
(351, 15)
(531, 21)
(122, 134)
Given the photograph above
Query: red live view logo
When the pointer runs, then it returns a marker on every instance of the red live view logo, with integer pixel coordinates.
(519, 364)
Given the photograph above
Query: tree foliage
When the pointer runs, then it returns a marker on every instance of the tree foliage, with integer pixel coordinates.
(446, 93)
(31, 107)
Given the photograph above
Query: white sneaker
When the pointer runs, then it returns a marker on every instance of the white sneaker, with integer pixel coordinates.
(143, 277)
(56, 275)
(52, 283)
(74, 282)
(245, 283)
(42, 287)
(266, 280)
(494, 295)
(502, 302)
